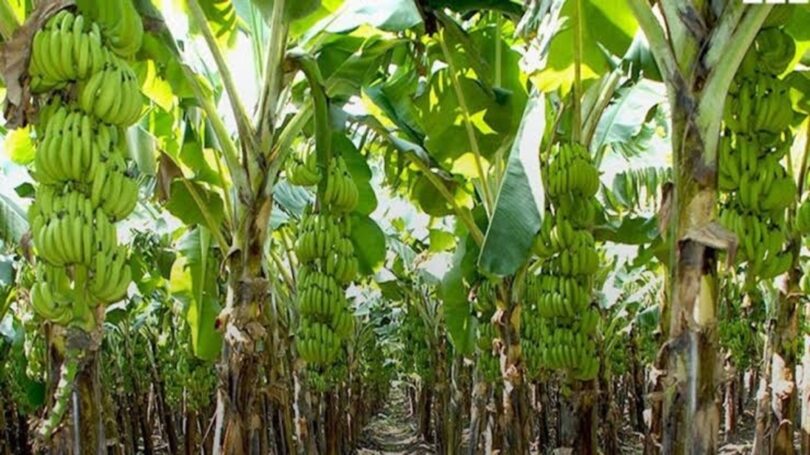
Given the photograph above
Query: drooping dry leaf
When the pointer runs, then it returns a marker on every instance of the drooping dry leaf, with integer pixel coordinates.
(715, 236)
(167, 171)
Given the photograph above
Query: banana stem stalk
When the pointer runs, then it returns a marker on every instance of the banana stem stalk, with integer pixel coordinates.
(246, 133)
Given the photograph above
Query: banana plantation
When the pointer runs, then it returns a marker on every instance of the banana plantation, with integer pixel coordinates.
(404, 227)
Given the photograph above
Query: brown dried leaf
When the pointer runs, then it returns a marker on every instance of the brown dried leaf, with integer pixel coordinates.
(167, 171)
(14, 57)
(715, 236)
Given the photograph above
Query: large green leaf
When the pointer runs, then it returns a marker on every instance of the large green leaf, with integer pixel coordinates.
(458, 312)
(142, 150)
(636, 187)
(425, 194)
(199, 157)
(442, 120)
(624, 118)
(13, 221)
(184, 206)
(520, 203)
(797, 27)
(628, 230)
(607, 28)
(193, 280)
(388, 15)
(390, 101)
(369, 243)
(350, 62)
(221, 17)
(640, 60)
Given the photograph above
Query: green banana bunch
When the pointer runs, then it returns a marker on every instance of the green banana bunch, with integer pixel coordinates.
(49, 305)
(115, 193)
(342, 265)
(319, 236)
(582, 214)
(558, 325)
(327, 259)
(317, 343)
(343, 324)
(774, 49)
(113, 94)
(70, 234)
(120, 23)
(303, 171)
(579, 177)
(729, 164)
(67, 151)
(66, 49)
(320, 296)
(111, 275)
(757, 116)
(565, 349)
(341, 192)
(491, 367)
(486, 334)
(773, 108)
(484, 303)
(81, 170)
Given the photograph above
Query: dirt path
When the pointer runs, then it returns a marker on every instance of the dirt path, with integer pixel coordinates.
(392, 431)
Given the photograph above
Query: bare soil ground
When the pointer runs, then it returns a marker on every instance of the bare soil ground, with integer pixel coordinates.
(393, 431)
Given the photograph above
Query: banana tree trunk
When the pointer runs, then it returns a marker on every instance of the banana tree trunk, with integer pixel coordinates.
(543, 409)
(454, 410)
(478, 413)
(637, 383)
(784, 356)
(494, 444)
(163, 410)
(578, 419)
(612, 411)
(331, 422)
(243, 329)
(82, 428)
(762, 416)
(425, 410)
(304, 410)
(698, 67)
(690, 413)
(515, 425)
(730, 420)
(442, 391)
(88, 413)
(805, 392)
(655, 433)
